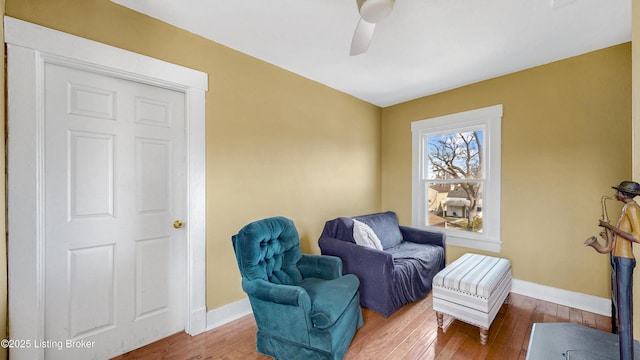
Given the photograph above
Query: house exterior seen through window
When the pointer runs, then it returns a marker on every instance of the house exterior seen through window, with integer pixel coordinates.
(456, 177)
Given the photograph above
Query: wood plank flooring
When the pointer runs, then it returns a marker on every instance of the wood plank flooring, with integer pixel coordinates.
(411, 333)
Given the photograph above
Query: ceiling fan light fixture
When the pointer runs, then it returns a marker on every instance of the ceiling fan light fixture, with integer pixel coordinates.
(373, 11)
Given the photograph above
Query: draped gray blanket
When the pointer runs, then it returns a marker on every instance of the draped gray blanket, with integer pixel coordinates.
(400, 273)
(415, 265)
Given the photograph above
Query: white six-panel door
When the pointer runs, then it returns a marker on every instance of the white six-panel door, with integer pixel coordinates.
(105, 152)
(115, 184)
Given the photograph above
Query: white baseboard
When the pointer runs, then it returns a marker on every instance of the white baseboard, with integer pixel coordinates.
(590, 303)
(227, 313)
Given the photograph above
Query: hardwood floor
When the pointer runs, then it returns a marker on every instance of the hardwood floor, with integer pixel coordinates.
(410, 333)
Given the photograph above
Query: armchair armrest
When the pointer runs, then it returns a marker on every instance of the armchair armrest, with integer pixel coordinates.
(320, 266)
(422, 236)
(279, 294)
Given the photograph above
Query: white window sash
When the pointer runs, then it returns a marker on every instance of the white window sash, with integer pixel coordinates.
(488, 119)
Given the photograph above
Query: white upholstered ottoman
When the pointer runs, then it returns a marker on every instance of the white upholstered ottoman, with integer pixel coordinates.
(472, 289)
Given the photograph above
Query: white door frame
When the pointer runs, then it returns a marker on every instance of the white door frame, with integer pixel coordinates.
(29, 47)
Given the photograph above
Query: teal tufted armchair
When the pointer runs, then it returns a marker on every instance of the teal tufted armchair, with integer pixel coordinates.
(304, 307)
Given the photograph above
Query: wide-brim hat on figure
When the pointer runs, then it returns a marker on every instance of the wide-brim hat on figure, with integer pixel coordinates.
(630, 187)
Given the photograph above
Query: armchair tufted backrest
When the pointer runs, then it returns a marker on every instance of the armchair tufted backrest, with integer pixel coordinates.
(269, 249)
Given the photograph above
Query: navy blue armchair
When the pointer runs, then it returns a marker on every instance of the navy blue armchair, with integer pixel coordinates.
(303, 306)
(399, 273)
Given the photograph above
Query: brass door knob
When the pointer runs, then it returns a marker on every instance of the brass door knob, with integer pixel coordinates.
(178, 224)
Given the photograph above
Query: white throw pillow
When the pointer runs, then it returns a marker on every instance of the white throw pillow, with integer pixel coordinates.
(364, 235)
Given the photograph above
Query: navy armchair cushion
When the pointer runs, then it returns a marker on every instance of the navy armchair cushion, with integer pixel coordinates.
(390, 278)
(385, 225)
(304, 307)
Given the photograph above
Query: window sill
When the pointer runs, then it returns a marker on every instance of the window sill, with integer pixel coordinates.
(484, 245)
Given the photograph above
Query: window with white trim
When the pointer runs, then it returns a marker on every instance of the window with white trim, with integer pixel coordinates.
(456, 177)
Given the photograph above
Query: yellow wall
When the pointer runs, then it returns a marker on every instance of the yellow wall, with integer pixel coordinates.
(566, 139)
(277, 143)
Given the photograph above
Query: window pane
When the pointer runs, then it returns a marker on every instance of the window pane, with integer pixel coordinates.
(455, 156)
(451, 153)
(456, 205)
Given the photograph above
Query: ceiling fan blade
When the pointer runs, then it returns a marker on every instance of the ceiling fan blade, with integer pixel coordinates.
(362, 37)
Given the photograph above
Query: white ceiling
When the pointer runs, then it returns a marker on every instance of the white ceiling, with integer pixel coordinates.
(423, 47)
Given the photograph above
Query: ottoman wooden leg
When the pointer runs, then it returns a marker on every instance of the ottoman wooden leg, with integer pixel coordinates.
(439, 319)
(484, 335)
